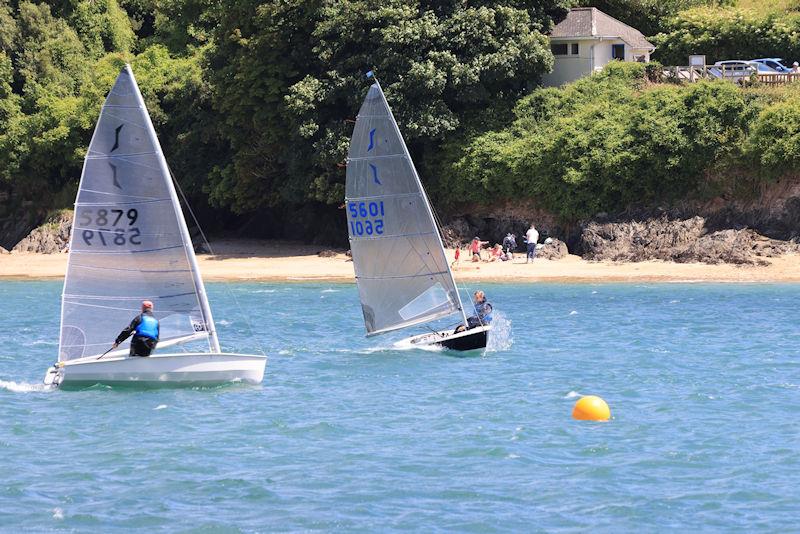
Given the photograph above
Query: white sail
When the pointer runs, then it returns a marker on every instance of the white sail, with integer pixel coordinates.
(401, 270)
(129, 239)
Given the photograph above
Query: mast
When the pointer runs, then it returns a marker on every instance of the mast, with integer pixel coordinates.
(205, 309)
(427, 201)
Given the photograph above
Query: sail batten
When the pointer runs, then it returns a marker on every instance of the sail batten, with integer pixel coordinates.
(129, 240)
(401, 270)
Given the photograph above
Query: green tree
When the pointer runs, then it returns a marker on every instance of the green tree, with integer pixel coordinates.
(288, 75)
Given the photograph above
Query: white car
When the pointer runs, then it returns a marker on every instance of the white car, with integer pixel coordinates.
(734, 69)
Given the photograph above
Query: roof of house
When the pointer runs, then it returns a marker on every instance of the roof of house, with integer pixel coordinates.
(591, 22)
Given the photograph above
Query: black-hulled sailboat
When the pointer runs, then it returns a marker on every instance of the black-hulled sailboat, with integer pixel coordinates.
(401, 268)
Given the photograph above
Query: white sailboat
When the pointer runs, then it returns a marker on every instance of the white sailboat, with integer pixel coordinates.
(130, 242)
(401, 268)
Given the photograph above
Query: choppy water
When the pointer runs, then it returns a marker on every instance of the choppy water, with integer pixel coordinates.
(347, 433)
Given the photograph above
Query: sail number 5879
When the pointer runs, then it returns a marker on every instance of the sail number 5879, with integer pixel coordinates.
(104, 237)
(366, 218)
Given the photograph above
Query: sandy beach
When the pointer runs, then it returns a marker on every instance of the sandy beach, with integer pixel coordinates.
(284, 261)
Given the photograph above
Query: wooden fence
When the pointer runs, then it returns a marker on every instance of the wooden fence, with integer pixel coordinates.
(741, 75)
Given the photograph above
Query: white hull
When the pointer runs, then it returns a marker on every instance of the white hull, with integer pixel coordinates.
(159, 370)
(472, 339)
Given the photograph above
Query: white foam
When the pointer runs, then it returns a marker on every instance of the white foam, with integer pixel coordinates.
(224, 322)
(58, 513)
(331, 290)
(573, 312)
(405, 344)
(500, 336)
(23, 387)
(160, 407)
(572, 395)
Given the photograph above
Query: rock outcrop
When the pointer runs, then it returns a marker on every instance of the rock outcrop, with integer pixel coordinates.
(3, 251)
(553, 249)
(678, 240)
(50, 238)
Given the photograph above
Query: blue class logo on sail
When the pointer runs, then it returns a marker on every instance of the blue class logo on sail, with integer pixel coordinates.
(372, 167)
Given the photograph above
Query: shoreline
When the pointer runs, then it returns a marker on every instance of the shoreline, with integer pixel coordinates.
(279, 261)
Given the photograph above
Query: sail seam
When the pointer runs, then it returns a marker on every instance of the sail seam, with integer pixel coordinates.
(363, 158)
(126, 251)
(385, 236)
(400, 277)
(151, 201)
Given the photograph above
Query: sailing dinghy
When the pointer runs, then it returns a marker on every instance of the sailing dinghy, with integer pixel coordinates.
(401, 269)
(130, 242)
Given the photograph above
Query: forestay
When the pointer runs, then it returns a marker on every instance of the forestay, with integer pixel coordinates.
(129, 240)
(402, 273)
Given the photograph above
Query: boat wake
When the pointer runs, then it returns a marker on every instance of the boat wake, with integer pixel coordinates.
(24, 387)
(406, 344)
(500, 337)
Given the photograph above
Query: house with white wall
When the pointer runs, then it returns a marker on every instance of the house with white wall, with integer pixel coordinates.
(587, 40)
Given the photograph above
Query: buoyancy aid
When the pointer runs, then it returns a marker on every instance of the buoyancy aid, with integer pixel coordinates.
(147, 327)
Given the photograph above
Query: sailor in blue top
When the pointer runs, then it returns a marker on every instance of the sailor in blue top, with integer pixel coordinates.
(483, 313)
(145, 330)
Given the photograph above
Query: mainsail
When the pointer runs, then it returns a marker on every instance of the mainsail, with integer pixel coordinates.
(402, 273)
(129, 239)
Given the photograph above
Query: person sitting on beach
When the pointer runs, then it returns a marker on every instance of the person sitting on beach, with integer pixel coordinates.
(475, 248)
(145, 330)
(496, 253)
(483, 312)
(509, 245)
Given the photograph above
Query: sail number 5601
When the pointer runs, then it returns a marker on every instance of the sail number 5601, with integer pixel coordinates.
(364, 218)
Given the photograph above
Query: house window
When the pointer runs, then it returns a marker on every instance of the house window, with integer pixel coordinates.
(574, 49)
(559, 49)
(618, 51)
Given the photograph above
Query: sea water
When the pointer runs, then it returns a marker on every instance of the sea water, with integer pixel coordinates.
(351, 434)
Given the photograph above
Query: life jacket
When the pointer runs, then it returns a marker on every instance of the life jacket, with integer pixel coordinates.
(147, 327)
(484, 310)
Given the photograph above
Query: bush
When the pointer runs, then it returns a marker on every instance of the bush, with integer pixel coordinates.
(730, 33)
(604, 143)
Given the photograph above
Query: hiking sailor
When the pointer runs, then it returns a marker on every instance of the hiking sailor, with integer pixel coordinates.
(145, 330)
(483, 313)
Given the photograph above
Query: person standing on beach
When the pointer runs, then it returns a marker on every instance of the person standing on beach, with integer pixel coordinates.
(531, 237)
(509, 245)
(145, 330)
(454, 265)
(475, 248)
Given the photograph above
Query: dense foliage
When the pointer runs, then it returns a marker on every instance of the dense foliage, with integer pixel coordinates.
(254, 100)
(612, 141)
(723, 34)
(289, 75)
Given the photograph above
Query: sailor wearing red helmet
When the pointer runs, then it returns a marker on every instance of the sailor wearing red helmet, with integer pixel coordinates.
(144, 328)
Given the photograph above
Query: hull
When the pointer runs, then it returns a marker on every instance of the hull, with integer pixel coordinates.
(160, 370)
(473, 339)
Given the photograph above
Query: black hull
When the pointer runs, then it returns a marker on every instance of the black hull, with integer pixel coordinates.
(473, 341)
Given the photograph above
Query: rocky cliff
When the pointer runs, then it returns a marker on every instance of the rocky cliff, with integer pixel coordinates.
(51, 237)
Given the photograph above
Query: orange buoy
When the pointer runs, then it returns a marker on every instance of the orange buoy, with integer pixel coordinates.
(591, 408)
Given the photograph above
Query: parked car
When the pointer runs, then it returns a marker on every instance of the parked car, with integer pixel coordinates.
(771, 64)
(735, 69)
